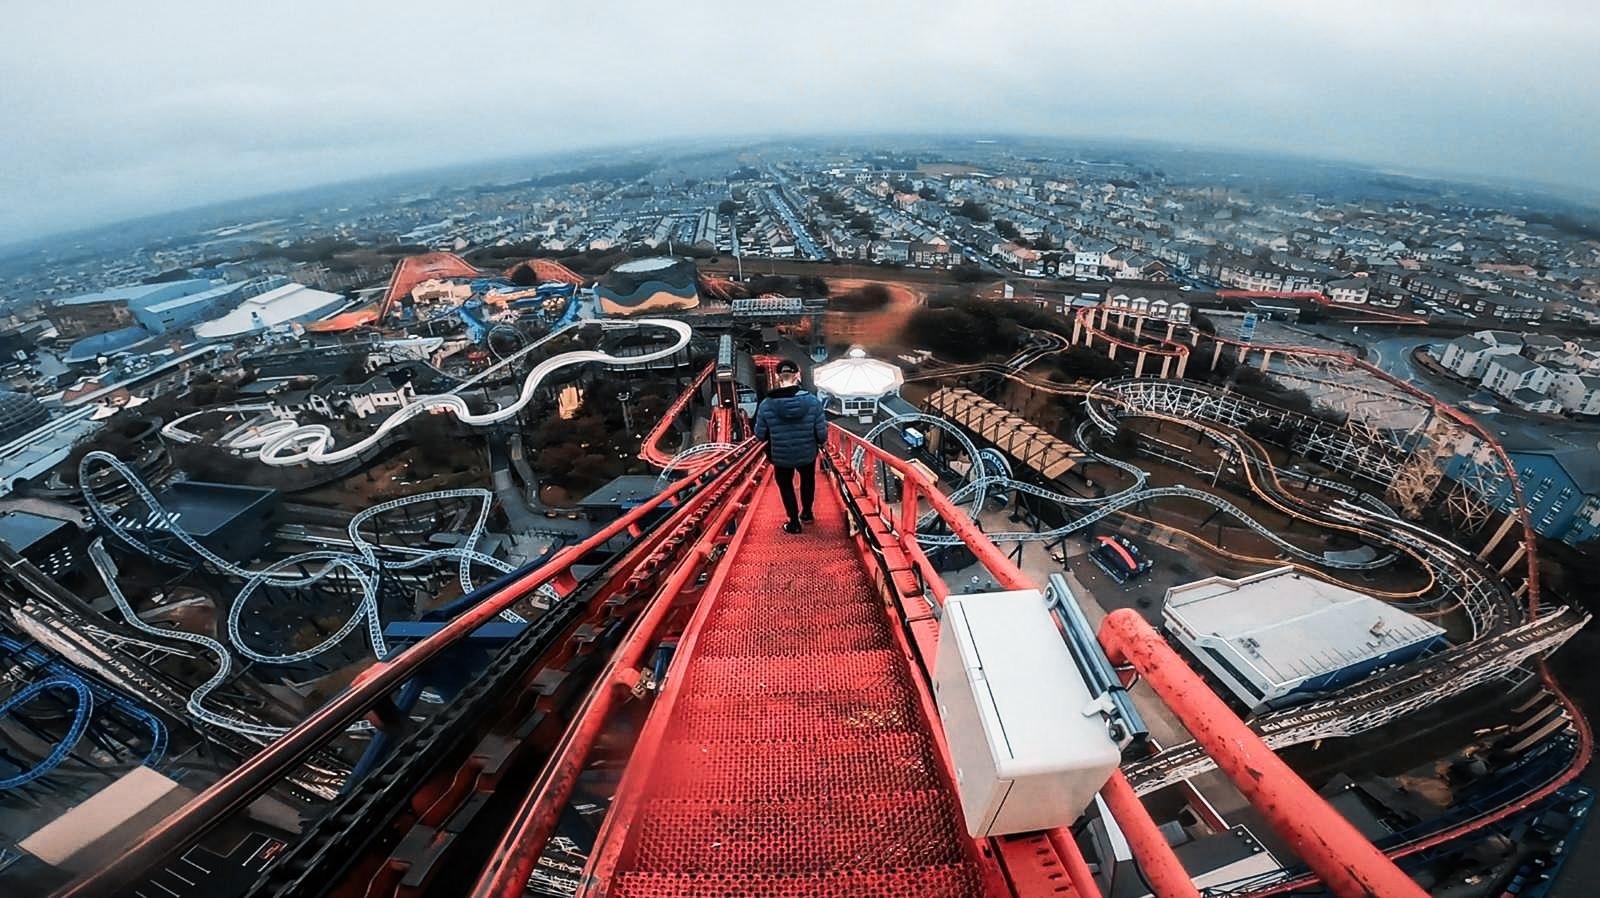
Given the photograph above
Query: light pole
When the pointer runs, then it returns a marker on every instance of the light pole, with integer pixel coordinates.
(627, 414)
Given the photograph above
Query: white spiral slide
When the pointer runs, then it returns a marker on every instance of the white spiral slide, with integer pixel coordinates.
(314, 442)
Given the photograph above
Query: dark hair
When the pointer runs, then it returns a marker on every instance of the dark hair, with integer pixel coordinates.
(788, 367)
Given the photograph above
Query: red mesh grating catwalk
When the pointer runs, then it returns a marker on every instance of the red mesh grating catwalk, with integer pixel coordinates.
(796, 761)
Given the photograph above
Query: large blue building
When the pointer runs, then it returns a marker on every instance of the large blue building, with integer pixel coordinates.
(1561, 488)
(179, 312)
(117, 308)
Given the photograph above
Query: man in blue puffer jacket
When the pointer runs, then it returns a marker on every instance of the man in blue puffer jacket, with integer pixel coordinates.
(790, 421)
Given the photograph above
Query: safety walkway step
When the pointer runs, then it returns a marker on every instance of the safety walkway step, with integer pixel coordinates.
(891, 762)
(822, 672)
(796, 760)
(791, 717)
(948, 881)
(797, 638)
(897, 830)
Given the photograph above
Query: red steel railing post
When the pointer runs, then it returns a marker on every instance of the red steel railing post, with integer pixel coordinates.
(1351, 866)
(1161, 868)
(529, 832)
(907, 525)
(243, 784)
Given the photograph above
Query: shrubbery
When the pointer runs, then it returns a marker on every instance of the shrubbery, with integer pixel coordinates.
(868, 298)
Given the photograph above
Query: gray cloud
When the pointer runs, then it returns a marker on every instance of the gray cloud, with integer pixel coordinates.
(117, 109)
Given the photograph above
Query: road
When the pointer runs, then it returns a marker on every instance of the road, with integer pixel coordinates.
(1518, 430)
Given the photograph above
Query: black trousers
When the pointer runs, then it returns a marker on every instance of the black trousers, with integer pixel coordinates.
(808, 488)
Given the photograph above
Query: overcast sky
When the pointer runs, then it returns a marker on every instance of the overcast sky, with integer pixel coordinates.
(116, 109)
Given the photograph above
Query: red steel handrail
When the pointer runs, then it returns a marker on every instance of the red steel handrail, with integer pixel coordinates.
(513, 861)
(1155, 856)
(1330, 845)
(1342, 857)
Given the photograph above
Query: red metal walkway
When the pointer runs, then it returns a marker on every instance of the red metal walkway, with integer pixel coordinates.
(794, 754)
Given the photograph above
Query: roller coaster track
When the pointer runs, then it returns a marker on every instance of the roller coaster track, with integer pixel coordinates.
(650, 450)
(1040, 344)
(1453, 570)
(313, 443)
(1521, 634)
(364, 566)
(1506, 633)
(59, 619)
(974, 492)
(692, 460)
(537, 671)
(88, 696)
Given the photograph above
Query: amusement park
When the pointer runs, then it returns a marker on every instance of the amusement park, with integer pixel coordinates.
(492, 583)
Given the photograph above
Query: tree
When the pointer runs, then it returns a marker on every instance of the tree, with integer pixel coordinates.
(727, 207)
(963, 331)
(868, 298)
(927, 193)
(524, 276)
(812, 287)
(861, 221)
(973, 211)
(1083, 362)
(770, 283)
(968, 273)
(1007, 230)
(434, 439)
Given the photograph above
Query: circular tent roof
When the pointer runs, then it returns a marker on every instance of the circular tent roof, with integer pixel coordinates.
(19, 413)
(857, 376)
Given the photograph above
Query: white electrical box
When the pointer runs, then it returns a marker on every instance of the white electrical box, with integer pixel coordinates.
(1030, 749)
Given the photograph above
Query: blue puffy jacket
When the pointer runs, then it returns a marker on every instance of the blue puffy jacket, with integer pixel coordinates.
(792, 424)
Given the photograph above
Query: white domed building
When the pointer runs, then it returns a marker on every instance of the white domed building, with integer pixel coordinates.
(852, 386)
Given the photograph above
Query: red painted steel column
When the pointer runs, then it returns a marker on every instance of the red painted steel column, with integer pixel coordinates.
(1161, 868)
(1341, 857)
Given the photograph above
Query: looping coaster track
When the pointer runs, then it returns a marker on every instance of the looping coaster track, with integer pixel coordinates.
(365, 567)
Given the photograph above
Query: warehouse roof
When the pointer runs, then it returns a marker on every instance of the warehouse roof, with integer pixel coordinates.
(1289, 626)
(22, 530)
(623, 489)
(203, 296)
(291, 302)
(201, 508)
(109, 343)
(136, 294)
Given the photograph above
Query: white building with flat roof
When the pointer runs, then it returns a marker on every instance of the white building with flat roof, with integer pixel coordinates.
(289, 304)
(1280, 637)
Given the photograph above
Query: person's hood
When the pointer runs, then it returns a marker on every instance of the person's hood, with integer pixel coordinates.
(789, 403)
